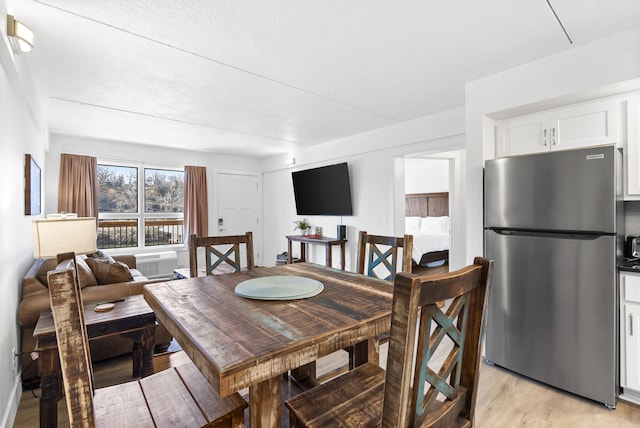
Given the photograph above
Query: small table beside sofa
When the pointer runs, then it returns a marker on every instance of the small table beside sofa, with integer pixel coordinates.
(103, 279)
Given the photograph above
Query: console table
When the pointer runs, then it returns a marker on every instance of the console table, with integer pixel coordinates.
(316, 240)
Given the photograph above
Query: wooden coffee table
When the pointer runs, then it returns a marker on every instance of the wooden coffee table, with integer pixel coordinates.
(131, 318)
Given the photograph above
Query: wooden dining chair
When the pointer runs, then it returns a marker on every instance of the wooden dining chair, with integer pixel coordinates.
(378, 258)
(429, 381)
(178, 396)
(381, 255)
(220, 251)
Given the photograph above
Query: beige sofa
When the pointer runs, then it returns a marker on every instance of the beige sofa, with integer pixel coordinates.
(102, 278)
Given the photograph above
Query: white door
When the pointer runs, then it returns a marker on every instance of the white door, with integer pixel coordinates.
(238, 206)
(632, 346)
(633, 145)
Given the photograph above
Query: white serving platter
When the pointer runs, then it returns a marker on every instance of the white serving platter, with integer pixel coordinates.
(279, 288)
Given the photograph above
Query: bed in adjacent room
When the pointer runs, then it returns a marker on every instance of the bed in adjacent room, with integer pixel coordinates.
(427, 219)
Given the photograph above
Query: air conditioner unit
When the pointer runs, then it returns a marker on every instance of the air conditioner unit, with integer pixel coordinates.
(157, 265)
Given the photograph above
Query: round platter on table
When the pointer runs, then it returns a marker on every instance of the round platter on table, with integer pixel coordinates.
(279, 288)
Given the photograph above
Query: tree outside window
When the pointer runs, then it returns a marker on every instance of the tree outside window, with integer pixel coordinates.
(121, 194)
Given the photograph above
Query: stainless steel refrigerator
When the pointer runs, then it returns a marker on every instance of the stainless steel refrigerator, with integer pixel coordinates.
(554, 226)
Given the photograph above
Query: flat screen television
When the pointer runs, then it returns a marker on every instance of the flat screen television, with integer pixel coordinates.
(323, 191)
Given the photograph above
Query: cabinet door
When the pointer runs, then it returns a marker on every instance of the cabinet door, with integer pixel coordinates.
(631, 329)
(633, 145)
(522, 135)
(588, 124)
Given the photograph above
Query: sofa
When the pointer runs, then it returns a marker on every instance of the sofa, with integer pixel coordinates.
(102, 278)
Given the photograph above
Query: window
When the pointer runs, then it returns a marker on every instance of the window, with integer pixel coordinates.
(121, 195)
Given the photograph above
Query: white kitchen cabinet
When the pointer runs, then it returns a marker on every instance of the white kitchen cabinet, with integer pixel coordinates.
(522, 135)
(587, 124)
(630, 336)
(632, 187)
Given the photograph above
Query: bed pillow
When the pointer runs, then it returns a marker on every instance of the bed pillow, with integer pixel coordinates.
(412, 224)
(434, 224)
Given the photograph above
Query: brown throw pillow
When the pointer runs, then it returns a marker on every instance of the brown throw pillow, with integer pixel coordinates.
(109, 273)
(46, 266)
(85, 276)
(101, 255)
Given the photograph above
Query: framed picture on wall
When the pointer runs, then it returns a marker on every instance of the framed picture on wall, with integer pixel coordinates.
(32, 188)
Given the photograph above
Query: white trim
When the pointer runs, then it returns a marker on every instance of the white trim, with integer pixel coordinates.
(10, 411)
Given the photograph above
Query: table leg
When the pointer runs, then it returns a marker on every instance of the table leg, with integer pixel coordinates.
(342, 256)
(329, 252)
(306, 375)
(290, 251)
(303, 252)
(143, 342)
(365, 351)
(265, 404)
(48, 367)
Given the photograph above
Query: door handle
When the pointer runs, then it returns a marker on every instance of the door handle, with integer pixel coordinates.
(630, 324)
(544, 137)
(553, 136)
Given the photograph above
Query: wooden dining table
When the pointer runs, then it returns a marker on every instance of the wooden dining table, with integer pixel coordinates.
(239, 342)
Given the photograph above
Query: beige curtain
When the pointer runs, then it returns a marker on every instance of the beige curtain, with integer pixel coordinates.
(78, 187)
(196, 204)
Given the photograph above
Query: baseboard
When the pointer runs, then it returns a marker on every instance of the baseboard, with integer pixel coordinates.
(9, 414)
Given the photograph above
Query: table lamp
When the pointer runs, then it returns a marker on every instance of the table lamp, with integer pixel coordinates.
(64, 237)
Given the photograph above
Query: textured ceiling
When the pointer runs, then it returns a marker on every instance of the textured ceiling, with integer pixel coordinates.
(263, 77)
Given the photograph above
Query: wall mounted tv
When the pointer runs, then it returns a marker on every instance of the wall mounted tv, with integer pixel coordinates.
(323, 191)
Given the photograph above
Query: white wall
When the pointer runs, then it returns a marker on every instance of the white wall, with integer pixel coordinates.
(426, 175)
(597, 69)
(377, 181)
(22, 132)
(152, 156)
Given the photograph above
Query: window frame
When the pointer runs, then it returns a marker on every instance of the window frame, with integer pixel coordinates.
(141, 215)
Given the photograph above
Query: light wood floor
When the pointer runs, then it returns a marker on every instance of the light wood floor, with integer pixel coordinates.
(504, 399)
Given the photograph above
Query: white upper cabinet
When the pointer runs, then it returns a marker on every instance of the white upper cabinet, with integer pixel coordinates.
(632, 190)
(522, 135)
(588, 124)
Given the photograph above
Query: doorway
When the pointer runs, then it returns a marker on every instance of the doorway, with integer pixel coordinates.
(436, 174)
(238, 206)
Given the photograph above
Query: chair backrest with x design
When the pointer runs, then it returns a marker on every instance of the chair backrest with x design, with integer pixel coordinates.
(382, 255)
(448, 347)
(220, 251)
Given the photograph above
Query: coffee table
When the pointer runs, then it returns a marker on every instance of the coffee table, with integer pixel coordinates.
(131, 318)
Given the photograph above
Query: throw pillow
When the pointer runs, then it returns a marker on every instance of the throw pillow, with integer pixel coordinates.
(101, 255)
(109, 273)
(85, 275)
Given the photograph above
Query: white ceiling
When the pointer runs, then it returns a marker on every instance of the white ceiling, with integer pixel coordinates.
(264, 77)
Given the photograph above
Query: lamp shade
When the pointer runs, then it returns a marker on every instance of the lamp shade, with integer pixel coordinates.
(54, 236)
(20, 36)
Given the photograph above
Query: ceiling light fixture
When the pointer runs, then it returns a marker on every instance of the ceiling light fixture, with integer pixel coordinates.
(20, 36)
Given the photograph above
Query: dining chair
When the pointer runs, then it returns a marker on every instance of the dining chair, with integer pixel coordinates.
(179, 396)
(378, 258)
(432, 365)
(381, 255)
(220, 251)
